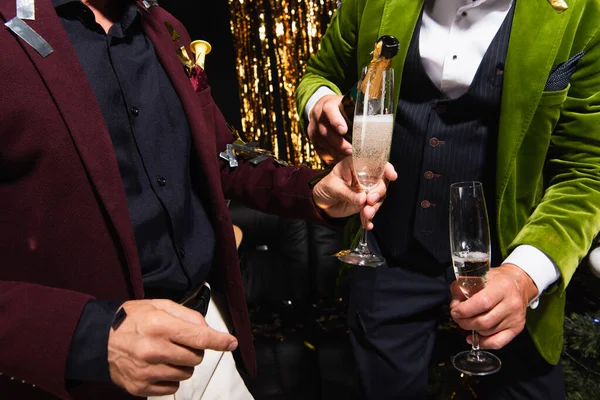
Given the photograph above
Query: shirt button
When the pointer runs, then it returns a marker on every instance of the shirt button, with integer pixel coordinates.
(440, 108)
(425, 204)
(135, 111)
(428, 175)
(434, 142)
(161, 181)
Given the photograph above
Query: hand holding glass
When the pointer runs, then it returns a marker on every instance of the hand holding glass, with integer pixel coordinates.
(471, 255)
(371, 140)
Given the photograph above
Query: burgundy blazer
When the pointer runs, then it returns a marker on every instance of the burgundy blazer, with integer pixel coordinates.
(65, 232)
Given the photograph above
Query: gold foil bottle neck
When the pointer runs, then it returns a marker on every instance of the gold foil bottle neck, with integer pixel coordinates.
(385, 49)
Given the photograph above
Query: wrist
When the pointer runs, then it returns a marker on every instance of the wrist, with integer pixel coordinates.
(524, 282)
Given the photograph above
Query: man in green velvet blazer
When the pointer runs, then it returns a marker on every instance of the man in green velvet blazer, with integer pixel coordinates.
(547, 152)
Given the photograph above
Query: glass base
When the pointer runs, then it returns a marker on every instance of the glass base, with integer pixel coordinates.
(362, 259)
(476, 363)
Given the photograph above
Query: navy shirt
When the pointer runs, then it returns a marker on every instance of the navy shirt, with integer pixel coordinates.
(153, 146)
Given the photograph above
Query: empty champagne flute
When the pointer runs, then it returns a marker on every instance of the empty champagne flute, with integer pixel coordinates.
(371, 141)
(471, 255)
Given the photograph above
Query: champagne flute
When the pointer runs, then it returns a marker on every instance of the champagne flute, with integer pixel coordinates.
(371, 141)
(471, 255)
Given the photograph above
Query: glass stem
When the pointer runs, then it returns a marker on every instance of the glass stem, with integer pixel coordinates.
(362, 244)
(475, 345)
(363, 248)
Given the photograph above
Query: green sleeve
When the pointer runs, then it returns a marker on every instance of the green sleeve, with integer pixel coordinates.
(567, 219)
(334, 64)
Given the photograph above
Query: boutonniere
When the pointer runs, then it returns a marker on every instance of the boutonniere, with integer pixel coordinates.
(559, 5)
(193, 68)
(200, 48)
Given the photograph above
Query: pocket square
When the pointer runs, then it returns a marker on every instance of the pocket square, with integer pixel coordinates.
(560, 75)
(198, 78)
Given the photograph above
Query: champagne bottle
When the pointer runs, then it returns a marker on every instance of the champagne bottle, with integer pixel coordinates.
(385, 49)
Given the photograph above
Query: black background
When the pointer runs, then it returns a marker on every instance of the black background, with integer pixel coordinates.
(209, 20)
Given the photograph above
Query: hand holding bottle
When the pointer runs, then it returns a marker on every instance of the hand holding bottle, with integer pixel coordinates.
(327, 127)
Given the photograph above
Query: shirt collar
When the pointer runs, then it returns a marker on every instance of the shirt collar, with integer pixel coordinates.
(130, 13)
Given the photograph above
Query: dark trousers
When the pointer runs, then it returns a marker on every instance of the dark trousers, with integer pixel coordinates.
(393, 314)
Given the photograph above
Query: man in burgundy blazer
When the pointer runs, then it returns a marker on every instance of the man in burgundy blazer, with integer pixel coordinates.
(66, 236)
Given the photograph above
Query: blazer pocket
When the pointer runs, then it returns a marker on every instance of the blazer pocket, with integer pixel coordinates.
(554, 97)
(560, 75)
(204, 98)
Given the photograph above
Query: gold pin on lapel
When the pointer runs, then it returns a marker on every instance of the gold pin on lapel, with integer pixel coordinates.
(559, 5)
(172, 31)
(185, 59)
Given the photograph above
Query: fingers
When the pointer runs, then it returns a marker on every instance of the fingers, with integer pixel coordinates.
(376, 196)
(154, 380)
(177, 328)
(165, 352)
(167, 373)
(378, 193)
(480, 303)
(497, 341)
(390, 172)
(204, 337)
(158, 345)
(326, 128)
(332, 115)
(457, 295)
(147, 389)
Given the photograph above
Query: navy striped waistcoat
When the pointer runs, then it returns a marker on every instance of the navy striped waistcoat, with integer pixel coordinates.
(438, 141)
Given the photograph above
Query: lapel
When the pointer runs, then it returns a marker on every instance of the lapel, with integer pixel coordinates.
(399, 18)
(154, 25)
(534, 41)
(76, 101)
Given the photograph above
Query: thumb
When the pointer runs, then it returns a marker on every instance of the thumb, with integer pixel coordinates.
(208, 338)
(204, 337)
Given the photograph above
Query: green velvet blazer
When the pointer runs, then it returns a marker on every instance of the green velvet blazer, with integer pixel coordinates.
(548, 164)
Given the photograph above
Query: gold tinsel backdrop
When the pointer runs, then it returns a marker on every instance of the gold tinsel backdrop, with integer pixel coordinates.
(273, 40)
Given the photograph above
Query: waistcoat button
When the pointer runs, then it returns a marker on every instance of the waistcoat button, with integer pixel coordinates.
(425, 204)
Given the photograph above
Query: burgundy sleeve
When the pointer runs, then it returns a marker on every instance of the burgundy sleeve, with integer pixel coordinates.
(268, 186)
(37, 323)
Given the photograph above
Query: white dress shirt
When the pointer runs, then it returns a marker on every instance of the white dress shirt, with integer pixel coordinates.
(454, 37)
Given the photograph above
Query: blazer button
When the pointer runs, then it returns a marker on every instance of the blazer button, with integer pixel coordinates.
(428, 175)
(425, 204)
(434, 142)
(161, 181)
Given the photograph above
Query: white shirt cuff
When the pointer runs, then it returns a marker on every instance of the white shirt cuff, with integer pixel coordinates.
(320, 92)
(537, 265)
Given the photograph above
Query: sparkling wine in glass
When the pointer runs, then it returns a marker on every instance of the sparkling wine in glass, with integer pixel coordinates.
(371, 141)
(471, 255)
